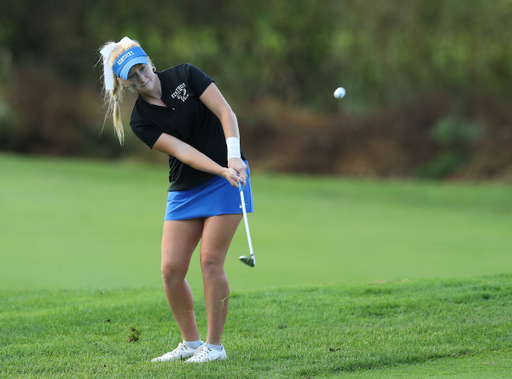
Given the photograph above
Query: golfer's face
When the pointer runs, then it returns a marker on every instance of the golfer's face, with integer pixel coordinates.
(140, 78)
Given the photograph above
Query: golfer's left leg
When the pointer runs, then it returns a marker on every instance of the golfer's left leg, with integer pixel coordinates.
(218, 232)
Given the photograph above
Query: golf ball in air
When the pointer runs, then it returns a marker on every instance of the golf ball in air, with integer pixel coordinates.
(339, 93)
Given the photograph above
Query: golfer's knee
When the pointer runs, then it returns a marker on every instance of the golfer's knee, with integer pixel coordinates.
(172, 272)
(211, 265)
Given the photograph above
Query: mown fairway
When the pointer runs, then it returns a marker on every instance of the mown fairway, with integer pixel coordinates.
(80, 224)
(80, 246)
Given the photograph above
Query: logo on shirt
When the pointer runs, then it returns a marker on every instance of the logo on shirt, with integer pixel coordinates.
(180, 92)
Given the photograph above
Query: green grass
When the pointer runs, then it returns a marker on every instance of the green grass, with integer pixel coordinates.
(80, 245)
(401, 329)
(74, 223)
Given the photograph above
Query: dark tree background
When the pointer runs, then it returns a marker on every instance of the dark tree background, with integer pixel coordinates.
(428, 81)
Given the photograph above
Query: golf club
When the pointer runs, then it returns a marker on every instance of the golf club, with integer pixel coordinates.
(250, 261)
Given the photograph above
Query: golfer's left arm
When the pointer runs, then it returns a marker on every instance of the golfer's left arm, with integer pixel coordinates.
(214, 100)
(194, 158)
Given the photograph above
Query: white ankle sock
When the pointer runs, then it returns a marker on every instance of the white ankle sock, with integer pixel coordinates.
(219, 348)
(193, 344)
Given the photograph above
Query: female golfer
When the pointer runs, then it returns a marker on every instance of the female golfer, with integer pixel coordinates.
(181, 112)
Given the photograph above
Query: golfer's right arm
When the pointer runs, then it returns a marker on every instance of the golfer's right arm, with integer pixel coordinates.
(194, 158)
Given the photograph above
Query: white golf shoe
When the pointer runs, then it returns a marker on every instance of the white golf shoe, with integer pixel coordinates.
(205, 353)
(183, 351)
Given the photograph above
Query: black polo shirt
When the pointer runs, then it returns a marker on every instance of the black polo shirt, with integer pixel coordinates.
(186, 118)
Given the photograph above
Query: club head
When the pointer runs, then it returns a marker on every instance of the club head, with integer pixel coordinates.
(249, 261)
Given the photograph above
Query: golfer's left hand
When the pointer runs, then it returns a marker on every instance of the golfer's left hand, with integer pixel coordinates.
(240, 168)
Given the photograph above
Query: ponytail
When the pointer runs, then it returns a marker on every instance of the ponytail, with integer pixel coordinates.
(118, 122)
(112, 98)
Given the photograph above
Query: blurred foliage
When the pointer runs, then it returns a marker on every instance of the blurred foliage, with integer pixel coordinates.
(450, 132)
(382, 52)
(387, 54)
(455, 137)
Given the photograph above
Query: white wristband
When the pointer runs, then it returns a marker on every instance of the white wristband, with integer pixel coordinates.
(233, 144)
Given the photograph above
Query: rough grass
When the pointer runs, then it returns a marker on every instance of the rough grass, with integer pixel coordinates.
(393, 328)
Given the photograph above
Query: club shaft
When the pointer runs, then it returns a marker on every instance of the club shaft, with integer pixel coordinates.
(246, 222)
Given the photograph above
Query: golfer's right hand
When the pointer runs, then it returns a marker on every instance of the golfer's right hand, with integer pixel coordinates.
(233, 178)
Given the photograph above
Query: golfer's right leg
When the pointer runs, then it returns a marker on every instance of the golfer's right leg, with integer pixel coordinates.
(179, 241)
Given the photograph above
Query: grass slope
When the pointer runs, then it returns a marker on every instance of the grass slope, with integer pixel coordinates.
(361, 331)
(74, 223)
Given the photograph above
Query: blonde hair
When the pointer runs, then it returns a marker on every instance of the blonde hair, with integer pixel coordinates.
(112, 98)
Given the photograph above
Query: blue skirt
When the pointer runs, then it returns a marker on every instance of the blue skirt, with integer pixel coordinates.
(211, 198)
